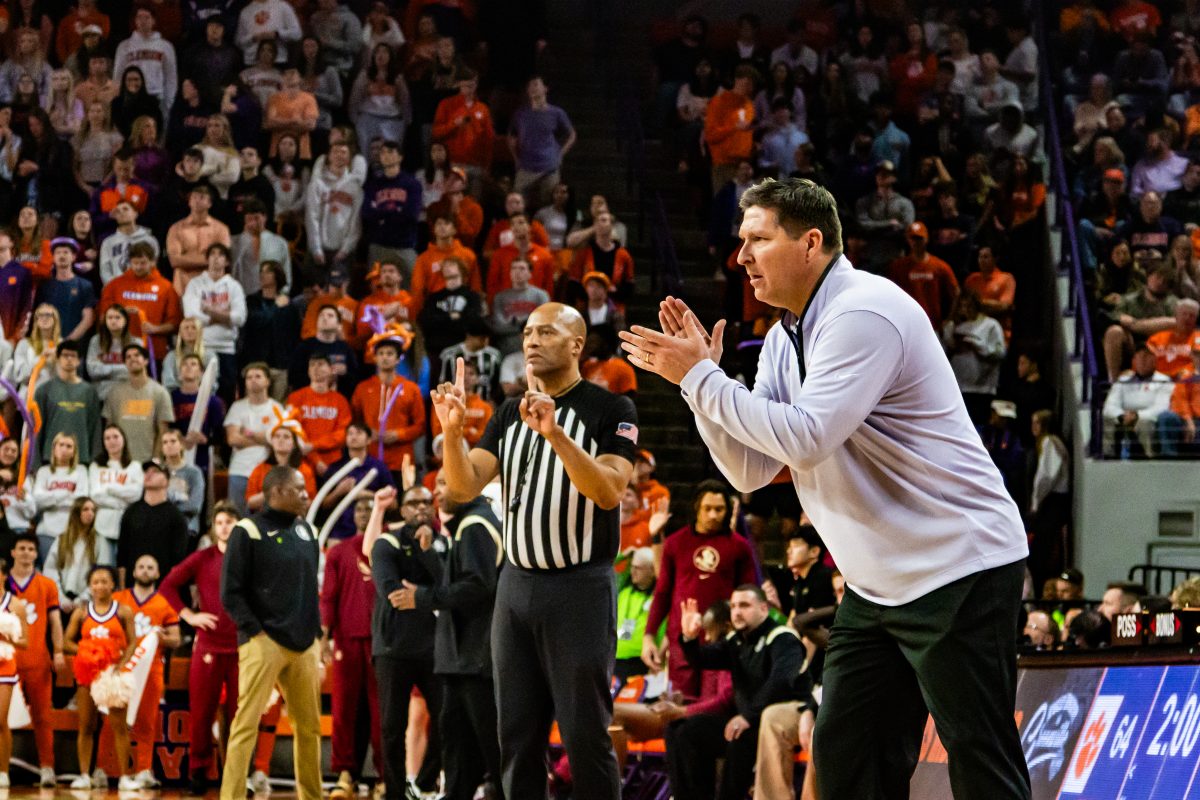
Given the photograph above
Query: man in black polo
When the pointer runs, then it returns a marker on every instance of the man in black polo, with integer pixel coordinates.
(812, 581)
(564, 453)
(269, 588)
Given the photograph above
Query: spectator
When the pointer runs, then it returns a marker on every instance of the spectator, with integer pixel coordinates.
(183, 399)
(1029, 391)
(1010, 135)
(794, 52)
(995, 288)
(635, 594)
(605, 255)
(393, 403)
(272, 327)
(251, 185)
(95, 83)
(699, 562)
(247, 428)
(255, 246)
(391, 211)
(358, 439)
(1160, 169)
(883, 216)
(729, 127)
(989, 92)
(293, 110)
(540, 135)
(153, 305)
(783, 85)
(1101, 212)
(778, 147)
(216, 299)
(602, 367)
(478, 410)
(926, 278)
(1140, 76)
(106, 350)
(174, 195)
(29, 58)
(1149, 229)
(912, 71)
(68, 405)
(283, 449)
(152, 526)
(392, 303)
(328, 339)
(1134, 403)
(213, 63)
(114, 483)
(1120, 598)
(557, 218)
(460, 207)
(975, 344)
(379, 100)
(72, 296)
(889, 142)
(263, 79)
(1184, 202)
(1041, 631)
(95, 145)
(333, 201)
(1173, 347)
(600, 309)
(134, 102)
(267, 20)
(322, 413)
(428, 276)
(73, 28)
(139, 404)
(463, 124)
(448, 311)
(114, 252)
(147, 49)
(501, 233)
(1021, 64)
(58, 483)
(185, 482)
(1139, 314)
(1177, 426)
(222, 163)
(541, 263)
(340, 33)
(812, 580)
(189, 240)
(1049, 500)
(474, 347)
(765, 658)
(1003, 443)
(512, 306)
(675, 63)
(70, 559)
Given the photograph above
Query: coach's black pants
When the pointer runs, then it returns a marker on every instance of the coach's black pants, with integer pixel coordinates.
(554, 639)
(693, 746)
(951, 653)
(470, 747)
(396, 678)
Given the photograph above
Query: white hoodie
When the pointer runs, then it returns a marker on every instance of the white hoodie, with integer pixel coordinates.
(114, 251)
(331, 212)
(155, 56)
(272, 16)
(114, 488)
(225, 294)
(54, 491)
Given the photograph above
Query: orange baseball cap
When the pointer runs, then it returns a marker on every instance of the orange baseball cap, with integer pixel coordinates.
(918, 231)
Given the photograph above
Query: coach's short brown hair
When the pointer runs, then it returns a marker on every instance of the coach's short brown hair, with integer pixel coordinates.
(801, 205)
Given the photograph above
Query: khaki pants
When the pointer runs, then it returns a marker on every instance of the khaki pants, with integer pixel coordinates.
(778, 735)
(261, 665)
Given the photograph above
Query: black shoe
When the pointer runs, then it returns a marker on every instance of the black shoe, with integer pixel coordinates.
(199, 784)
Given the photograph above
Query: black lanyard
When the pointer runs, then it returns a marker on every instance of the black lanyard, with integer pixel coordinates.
(797, 337)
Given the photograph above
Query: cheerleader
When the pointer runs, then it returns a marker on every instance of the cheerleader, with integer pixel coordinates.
(14, 635)
(101, 635)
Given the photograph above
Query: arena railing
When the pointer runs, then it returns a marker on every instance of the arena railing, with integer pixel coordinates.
(1159, 579)
(1078, 303)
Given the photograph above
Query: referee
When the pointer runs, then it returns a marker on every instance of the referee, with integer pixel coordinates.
(564, 453)
(855, 396)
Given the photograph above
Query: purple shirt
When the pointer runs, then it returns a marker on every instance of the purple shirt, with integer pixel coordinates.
(16, 298)
(540, 133)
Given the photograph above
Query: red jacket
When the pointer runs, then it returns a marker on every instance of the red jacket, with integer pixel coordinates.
(348, 593)
(203, 570)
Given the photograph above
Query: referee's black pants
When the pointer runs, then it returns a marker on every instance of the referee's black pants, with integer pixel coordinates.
(693, 746)
(951, 653)
(395, 678)
(554, 639)
(470, 747)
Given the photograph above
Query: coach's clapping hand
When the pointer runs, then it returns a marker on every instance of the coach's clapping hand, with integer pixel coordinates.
(682, 344)
(450, 402)
(537, 408)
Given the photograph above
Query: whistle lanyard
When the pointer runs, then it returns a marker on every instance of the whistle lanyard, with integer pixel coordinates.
(796, 337)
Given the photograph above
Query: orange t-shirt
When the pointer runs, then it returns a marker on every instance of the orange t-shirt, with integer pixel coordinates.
(427, 271)
(324, 417)
(635, 531)
(41, 597)
(930, 282)
(479, 413)
(541, 264)
(612, 374)
(651, 492)
(347, 310)
(501, 235)
(301, 108)
(1174, 353)
(153, 295)
(407, 418)
(471, 142)
(585, 262)
(726, 143)
(1185, 397)
(254, 483)
(1001, 287)
(155, 612)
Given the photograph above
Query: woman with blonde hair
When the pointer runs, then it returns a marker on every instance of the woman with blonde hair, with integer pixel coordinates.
(151, 162)
(55, 488)
(30, 245)
(115, 482)
(222, 165)
(61, 104)
(44, 335)
(73, 556)
(95, 145)
(106, 350)
(188, 341)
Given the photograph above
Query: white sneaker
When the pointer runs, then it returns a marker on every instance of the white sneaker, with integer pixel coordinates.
(82, 782)
(128, 783)
(100, 780)
(260, 783)
(4, 780)
(146, 780)
(47, 778)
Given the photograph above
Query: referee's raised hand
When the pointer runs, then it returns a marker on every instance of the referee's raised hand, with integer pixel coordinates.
(450, 401)
(537, 408)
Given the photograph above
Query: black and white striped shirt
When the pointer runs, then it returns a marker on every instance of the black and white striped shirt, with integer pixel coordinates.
(548, 523)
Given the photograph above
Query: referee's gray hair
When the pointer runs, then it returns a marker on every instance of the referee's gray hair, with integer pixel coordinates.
(643, 557)
(801, 205)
